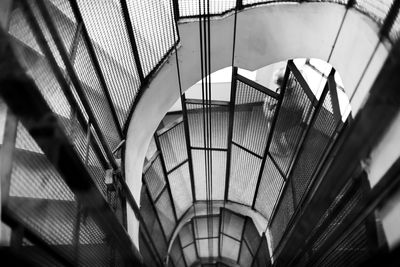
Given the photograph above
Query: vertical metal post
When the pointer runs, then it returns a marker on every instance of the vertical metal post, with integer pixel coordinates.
(230, 130)
(92, 54)
(187, 139)
(175, 4)
(164, 168)
(131, 35)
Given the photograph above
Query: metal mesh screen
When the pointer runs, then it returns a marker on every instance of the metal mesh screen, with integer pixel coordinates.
(232, 224)
(251, 121)
(154, 178)
(251, 237)
(229, 247)
(152, 224)
(207, 248)
(219, 125)
(39, 196)
(262, 258)
(166, 213)
(186, 235)
(106, 28)
(179, 181)
(350, 251)
(190, 254)
(154, 28)
(296, 108)
(377, 9)
(244, 172)
(282, 217)
(93, 247)
(173, 146)
(202, 225)
(270, 186)
(316, 142)
(38, 255)
(218, 174)
(177, 255)
(245, 256)
(94, 92)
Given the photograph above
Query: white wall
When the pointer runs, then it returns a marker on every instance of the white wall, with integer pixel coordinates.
(265, 35)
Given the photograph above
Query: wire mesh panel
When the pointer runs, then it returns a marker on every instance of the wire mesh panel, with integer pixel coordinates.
(245, 256)
(262, 258)
(206, 227)
(166, 213)
(315, 146)
(179, 181)
(245, 168)
(107, 30)
(173, 146)
(154, 30)
(295, 111)
(270, 186)
(394, 33)
(38, 255)
(282, 217)
(218, 166)
(176, 255)
(39, 196)
(186, 235)
(94, 92)
(377, 9)
(219, 125)
(232, 224)
(190, 254)
(251, 236)
(151, 222)
(155, 179)
(229, 247)
(207, 248)
(350, 251)
(252, 120)
(93, 247)
(191, 8)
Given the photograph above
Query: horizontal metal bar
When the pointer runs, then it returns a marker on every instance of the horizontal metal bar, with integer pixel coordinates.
(257, 86)
(169, 126)
(246, 150)
(177, 166)
(209, 148)
(212, 102)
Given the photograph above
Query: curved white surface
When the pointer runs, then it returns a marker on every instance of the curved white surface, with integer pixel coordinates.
(265, 35)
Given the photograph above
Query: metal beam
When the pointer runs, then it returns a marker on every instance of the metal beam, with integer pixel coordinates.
(230, 130)
(189, 152)
(132, 40)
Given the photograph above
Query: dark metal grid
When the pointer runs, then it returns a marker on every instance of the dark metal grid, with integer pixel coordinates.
(190, 8)
(262, 257)
(38, 255)
(166, 213)
(154, 178)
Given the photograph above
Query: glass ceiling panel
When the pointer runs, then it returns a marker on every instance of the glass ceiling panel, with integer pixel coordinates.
(201, 225)
(207, 248)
